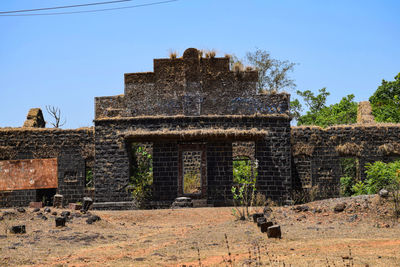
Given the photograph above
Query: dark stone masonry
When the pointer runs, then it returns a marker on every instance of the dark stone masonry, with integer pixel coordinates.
(189, 106)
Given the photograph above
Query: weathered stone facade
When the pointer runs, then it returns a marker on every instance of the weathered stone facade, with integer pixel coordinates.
(194, 105)
(191, 101)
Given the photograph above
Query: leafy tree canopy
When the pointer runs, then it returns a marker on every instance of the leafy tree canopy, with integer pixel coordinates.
(386, 101)
(344, 112)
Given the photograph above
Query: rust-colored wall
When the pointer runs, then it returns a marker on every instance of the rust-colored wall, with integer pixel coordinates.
(28, 174)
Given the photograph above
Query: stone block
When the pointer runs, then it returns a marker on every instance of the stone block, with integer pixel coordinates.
(36, 205)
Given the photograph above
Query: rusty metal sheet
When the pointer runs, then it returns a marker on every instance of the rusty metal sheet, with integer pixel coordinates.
(28, 174)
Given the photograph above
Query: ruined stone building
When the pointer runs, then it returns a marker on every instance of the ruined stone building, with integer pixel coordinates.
(197, 116)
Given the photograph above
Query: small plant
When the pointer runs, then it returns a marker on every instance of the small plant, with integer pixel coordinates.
(211, 54)
(173, 54)
(244, 177)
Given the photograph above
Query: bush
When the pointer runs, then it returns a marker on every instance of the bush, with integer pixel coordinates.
(141, 174)
(380, 175)
(346, 186)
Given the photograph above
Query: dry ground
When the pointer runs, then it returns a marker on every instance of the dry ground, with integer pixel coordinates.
(179, 237)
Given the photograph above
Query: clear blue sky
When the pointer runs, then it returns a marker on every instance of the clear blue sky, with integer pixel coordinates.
(67, 60)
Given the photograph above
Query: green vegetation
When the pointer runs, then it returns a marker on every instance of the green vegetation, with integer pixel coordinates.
(385, 101)
(141, 178)
(243, 191)
(344, 112)
(191, 182)
(380, 175)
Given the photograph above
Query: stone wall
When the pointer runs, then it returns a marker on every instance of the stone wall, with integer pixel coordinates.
(72, 148)
(316, 151)
(113, 143)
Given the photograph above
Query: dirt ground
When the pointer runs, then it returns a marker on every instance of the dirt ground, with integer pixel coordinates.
(364, 234)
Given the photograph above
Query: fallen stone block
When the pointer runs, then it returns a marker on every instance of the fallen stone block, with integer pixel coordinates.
(274, 231)
(87, 203)
(261, 220)
(18, 229)
(36, 205)
(264, 226)
(60, 221)
(74, 206)
(256, 216)
(58, 201)
(182, 202)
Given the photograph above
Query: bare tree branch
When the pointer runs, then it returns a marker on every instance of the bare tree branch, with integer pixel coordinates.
(55, 113)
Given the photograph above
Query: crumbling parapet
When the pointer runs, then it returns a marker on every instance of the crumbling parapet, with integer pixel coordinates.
(35, 119)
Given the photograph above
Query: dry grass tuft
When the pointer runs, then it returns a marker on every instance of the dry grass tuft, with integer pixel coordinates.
(389, 149)
(349, 149)
(231, 133)
(302, 149)
(210, 54)
(238, 67)
(173, 54)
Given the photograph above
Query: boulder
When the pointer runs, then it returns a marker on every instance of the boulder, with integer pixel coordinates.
(274, 231)
(264, 226)
(36, 210)
(47, 210)
(18, 229)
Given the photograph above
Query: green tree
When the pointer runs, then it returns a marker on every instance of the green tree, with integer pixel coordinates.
(385, 101)
(344, 112)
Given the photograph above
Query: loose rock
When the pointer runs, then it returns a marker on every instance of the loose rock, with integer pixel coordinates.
(339, 207)
(92, 219)
(21, 210)
(60, 221)
(383, 193)
(18, 229)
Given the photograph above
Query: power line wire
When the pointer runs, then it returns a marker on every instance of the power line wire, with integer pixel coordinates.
(90, 11)
(59, 7)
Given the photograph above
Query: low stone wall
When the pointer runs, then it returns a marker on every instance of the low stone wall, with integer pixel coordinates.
(316, 151)
(72, 148)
